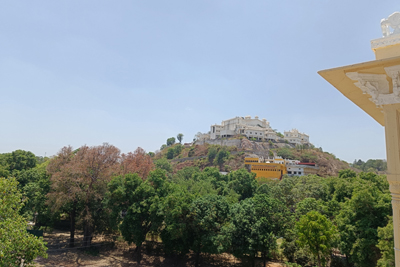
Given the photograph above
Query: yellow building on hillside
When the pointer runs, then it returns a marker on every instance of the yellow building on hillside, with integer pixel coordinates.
(277, 167)
(274, 170)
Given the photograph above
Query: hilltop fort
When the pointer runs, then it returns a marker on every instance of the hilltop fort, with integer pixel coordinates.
(254, 129)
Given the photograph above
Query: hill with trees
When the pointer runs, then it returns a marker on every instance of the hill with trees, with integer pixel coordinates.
(228, 158)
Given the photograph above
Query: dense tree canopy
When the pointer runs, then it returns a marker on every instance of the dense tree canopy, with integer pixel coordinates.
(16, 244)
(199, 209)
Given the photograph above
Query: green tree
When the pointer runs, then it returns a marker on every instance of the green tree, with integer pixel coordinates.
(36, 186)
(386, 245)
(208, 214)
(178, 149)
(180, 138)
(212, 152)
(243, 183)
(255, 225)
(16, 244)
(163, 164)
(176, 235)
(285, 153)
(139, 201)
(221, 156)
(170, 141)
(316, 233)
(358, 223)
(163, 146)
(21, 160)
(170, 153)
(347, 173)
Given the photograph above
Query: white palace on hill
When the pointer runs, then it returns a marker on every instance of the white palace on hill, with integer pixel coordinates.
(253, 128)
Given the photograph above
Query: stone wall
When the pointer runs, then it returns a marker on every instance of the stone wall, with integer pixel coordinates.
(221, 142)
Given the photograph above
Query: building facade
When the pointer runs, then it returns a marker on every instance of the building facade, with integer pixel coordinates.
(254, 128)
(251, 128)
(295, 137)
(277, 167)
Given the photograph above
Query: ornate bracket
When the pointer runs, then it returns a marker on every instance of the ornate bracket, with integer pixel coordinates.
(377, 85)
(394, 73)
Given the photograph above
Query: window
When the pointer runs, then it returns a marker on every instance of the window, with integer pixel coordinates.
(289, 172)
(295, 172)
(299, 172)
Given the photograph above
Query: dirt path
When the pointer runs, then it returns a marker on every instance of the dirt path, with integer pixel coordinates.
(122, 255)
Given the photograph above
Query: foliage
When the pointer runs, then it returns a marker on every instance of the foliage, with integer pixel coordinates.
(191, 152)
(16, 244)
(285, 153)
(79, 183)
(358, 223)
(139, 201)
(255, 225)
(280, 134)
(20, 160)
(347, 173)
(163, 164)
(243, 183)
(307, 157)
(36, 186)
(212, 153)
(170, 153)
(180, 138)
(137, 162)
(221, 156)
(374, 164)
(386, 245)
(171, 141)
(177, 149)
(316, 233)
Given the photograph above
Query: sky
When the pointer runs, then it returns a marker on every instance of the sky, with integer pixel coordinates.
(134, 73)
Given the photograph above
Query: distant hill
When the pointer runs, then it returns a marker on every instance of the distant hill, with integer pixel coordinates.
(229, 154)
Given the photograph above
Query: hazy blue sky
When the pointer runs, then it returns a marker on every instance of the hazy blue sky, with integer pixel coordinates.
(133, 73)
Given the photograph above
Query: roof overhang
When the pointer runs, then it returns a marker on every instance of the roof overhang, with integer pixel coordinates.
(338, 78)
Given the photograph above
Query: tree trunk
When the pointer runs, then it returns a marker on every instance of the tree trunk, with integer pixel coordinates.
(264, 258)
(138, 251)
(253, 264)
(87, 235)
(319, 260)
(72, 217)
(197, 258)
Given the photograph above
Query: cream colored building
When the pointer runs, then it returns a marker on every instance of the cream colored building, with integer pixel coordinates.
(251, 128)
(296, 137)
(259, 129)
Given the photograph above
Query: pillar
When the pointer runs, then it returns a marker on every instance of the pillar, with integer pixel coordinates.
(392, 132)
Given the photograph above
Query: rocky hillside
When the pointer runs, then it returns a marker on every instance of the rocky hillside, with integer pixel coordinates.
(229, 158)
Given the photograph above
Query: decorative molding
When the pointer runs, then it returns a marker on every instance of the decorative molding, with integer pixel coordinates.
(394, 73)
(376, 85)
(386, 41)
